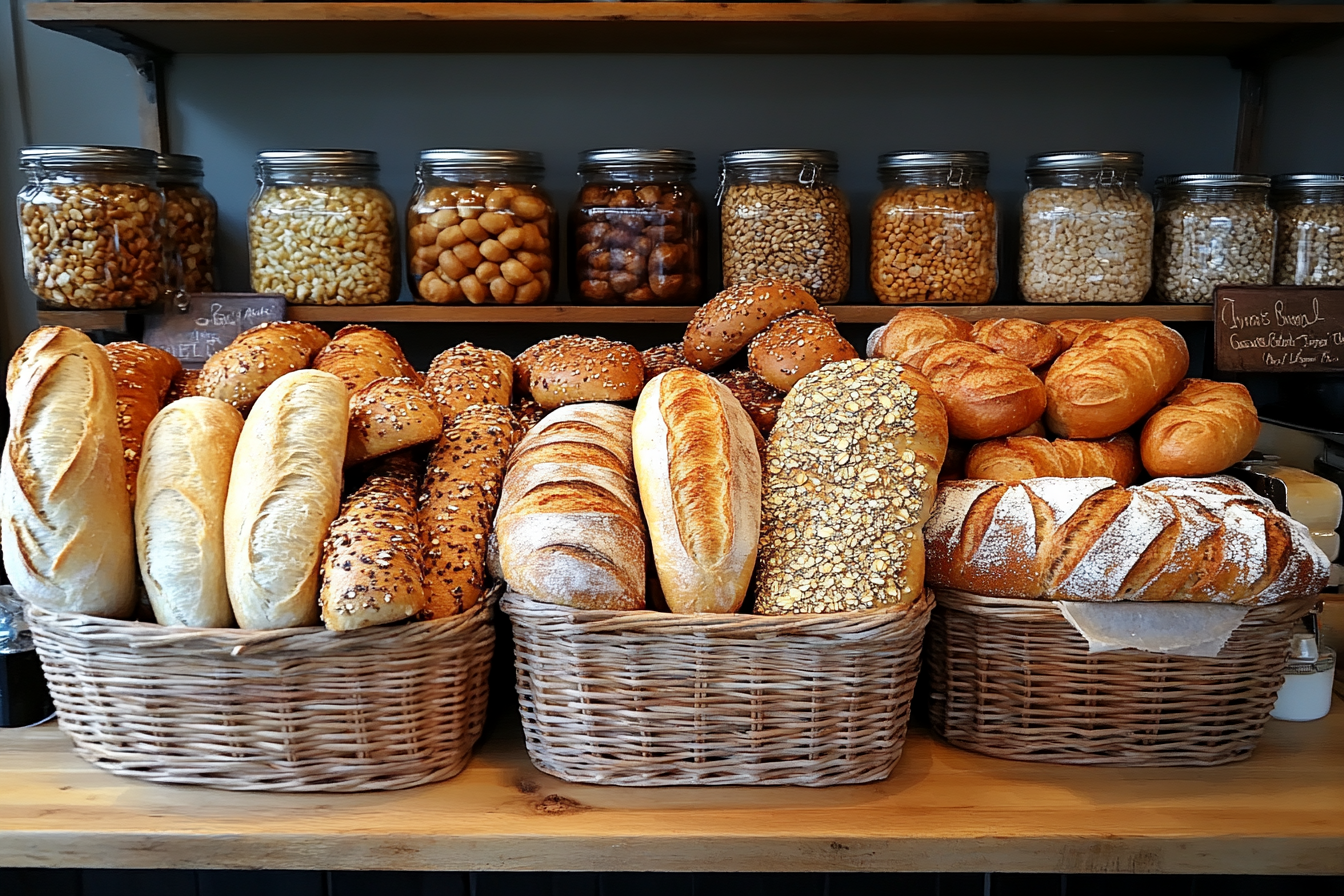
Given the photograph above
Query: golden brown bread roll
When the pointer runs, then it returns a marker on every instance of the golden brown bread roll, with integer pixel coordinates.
(1033, 429)
(183, 385)
(724, 325)
(241, 371)
(662, 358)
(1112, 376)
(986, 395)
(1069, 329)
(1015, 458)
(574, 369)
(912, 330)
(527, 412)
(466, 375)
(1202, 427)
(144, 375)
(359, 355)
(389, 414)
(1032, 343)
(758, 398)
(792, 347)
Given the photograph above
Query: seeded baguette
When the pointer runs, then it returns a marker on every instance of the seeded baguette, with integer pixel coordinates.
(371, 559)
(144, 375)
(466, 375)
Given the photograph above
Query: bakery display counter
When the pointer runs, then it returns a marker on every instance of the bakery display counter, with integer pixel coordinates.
(943, 809)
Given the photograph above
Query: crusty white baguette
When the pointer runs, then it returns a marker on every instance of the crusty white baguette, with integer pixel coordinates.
(372, 568)
(65, 515)
(179, 517)
(284, 491)
(699, 477)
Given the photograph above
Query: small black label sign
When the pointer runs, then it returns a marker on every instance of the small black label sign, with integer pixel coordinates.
(1278, 329)
(211, 321)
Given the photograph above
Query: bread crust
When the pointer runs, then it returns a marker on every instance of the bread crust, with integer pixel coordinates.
(794, 346)
(144, 375)
(359, 355)
(1069, 329)
(1203, 427)
(725, 324)
(912, 330)
(466, 375)
(1016, 458)
(243, 369)
(758, 398)
(1032, 343)
(662, 358)
(577, 369)
(371, 558)
(986, 395)
(387, 415)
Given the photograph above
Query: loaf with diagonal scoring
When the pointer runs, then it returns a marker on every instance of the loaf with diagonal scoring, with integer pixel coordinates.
(1090, 539)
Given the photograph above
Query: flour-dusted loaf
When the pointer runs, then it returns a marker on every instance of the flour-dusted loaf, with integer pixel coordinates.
(179, 518)
(246, 367)
(144, 375)
(371, 560)
(569, 528)
(1090, 539)
(699, 475)
(1202, 427)
(65, 516)
(284, 491)
(851, 470)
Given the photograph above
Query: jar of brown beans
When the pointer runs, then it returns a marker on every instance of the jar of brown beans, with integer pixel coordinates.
(935, 229)
(192, 217)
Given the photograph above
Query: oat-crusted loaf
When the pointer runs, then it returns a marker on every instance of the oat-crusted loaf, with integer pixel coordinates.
(143, 374)
(371, 560)
(389, 414)
(851, 470)
(466, 375)
(243, 369)
(574, 369)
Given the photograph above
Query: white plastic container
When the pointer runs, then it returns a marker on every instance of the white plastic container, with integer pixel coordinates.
(1310, 675)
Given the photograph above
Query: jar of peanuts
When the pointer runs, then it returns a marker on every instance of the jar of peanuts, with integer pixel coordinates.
(783, 217)
(1212, 229)
(321, 231)
(91, 226)
(192, 217)
(1311, 229)
(637, 229)
(1087, 229)
(480, 228)
(935, 229)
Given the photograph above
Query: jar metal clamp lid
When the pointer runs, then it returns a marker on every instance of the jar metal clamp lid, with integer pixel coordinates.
(598, 159)
(812, 163)
(128, 159)
(1112, 167)
(450, 159)
(1194, 181)
(306, 159)
(173, 165)
(960, 165)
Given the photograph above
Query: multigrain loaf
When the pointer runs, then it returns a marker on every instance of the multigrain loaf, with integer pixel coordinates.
(1202, 427)
(371, 559)
(466, 375)
(662, 358)
(144, 375)
(243, 369)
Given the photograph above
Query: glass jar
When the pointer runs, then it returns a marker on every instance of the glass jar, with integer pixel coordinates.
(637, 229)
(1212, 229)
(192, 217)
(91, 226)
(1087, 229)
(1311, 229)
(321, 231)
(784, 217)
(935, 229)
(479, 228)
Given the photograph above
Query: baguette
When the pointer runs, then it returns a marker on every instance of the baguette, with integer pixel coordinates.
(986, 395)
(466, 375)
(359, 355)
(179, 519)
(1203, 427)
(243, 369)
(143, 375)
(371, 558)
(1028, 457)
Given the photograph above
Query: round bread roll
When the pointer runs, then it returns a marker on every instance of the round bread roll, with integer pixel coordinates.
(795, 346)
(912, 330)
(760, 399)
(1069, 329)
(986, 395)
(1203, 427)
(573, 369)
(724, 325)
(662, 358)
(1032, 343)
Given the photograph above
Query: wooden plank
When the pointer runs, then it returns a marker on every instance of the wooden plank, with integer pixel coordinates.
(83, 320)
(677, 27)
(943, 809)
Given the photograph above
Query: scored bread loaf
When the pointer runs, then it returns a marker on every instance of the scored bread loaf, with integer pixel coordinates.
(1032, 343)
(458, 502)
(794, 346)
(986, 395)
(1202, 427)
(284, 491)
(144, 375)
(1069, 329)
(1091, 539)
(912, 330)
(371, 558)
(179, 518)
(65, 516)
(359, 355)
(851, 469)
(1112, 376)
(724, 325)
(699, 475)
(466, 375)
(1015, 458)
(569, 528)
(389, 414)
(243, 369)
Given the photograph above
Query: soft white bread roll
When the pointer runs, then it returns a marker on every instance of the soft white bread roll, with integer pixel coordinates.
(700, 485)
(284, 491)
(65, 515)
(179, 517)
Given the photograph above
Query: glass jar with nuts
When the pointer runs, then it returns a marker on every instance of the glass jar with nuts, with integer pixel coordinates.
(935, 229)
(1311, 229)
(637, 229)
(1211, 229)
(321, 231)
(192, 217)
(1087, 229)
(91, 226)
(784, 217)
(479, 228)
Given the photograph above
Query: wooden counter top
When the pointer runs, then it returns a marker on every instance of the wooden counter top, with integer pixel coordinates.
(943, 809)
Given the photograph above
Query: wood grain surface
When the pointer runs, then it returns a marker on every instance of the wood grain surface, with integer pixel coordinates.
(943, 809)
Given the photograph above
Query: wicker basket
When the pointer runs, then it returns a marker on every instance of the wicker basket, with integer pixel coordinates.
(1012, 678)
(649, 699)
(380, 708)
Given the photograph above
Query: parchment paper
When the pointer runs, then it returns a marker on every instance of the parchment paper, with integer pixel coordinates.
(1173, 628)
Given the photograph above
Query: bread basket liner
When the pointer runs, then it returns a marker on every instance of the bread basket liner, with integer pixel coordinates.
(299, 709)
(1013, 678)
(643, 698)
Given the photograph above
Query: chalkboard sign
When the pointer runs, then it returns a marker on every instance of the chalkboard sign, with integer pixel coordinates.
(211, 321)
(1278, 329)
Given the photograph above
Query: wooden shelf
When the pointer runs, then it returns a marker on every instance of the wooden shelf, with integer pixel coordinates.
(1239, 30)
(943, 809)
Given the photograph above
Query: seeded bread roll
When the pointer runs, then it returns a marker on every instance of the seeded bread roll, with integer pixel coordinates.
(1027, 457)
(912, 330)
(387, 415)
(724, 325)
(758, 398)
(183, 386)
(371, 561)
(1071, 328)
(1032, 343)
(458, 502)
(527, 412)
(851, 470)
(1202, 427)
(466, 375)
(243, 369)
(144, 375)
(662, 358)
(359, 355)
(792, 347)
(574, 369)
(986, 395)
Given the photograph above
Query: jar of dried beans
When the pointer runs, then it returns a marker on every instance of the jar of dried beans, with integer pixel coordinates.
(192, 217)
(637, 230)
(1311, 229)
(784, 217)
(1212, 229)
(935, 229)
(91, 226)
